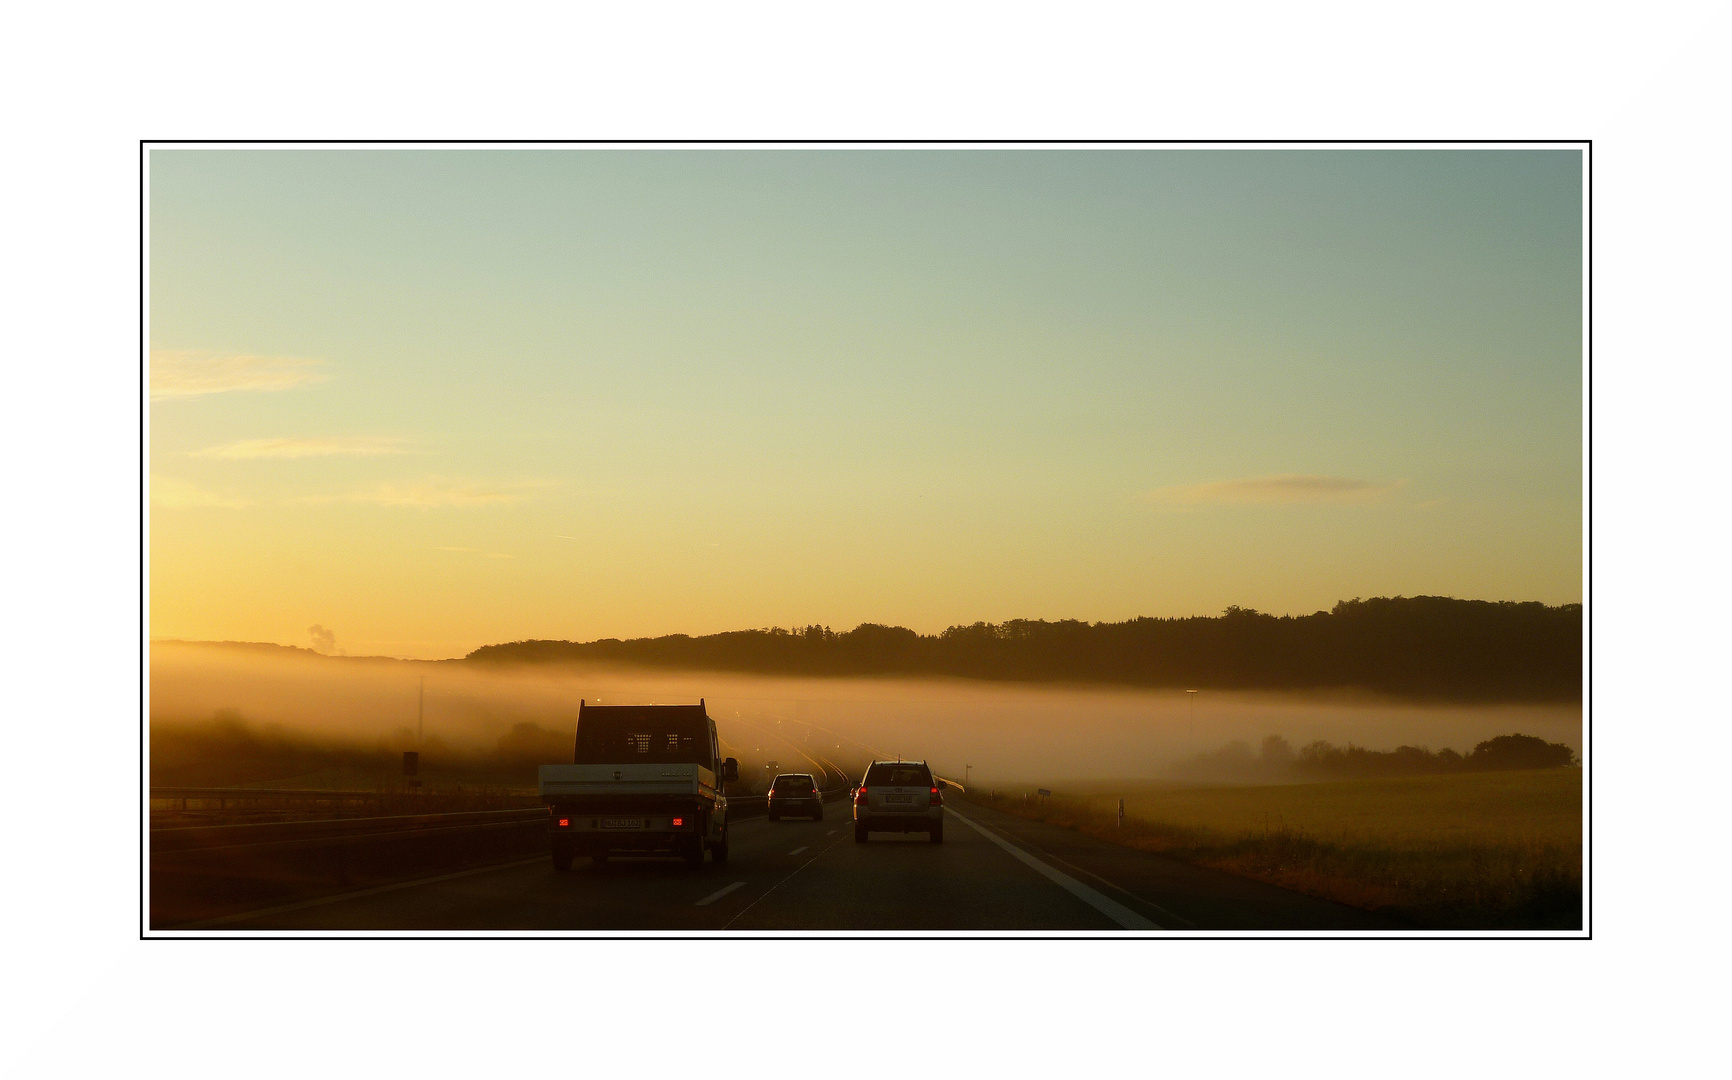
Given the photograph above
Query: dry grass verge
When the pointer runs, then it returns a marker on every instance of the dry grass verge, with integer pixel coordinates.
(1491, 851)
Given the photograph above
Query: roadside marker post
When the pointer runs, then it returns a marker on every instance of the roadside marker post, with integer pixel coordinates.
(1121, 813)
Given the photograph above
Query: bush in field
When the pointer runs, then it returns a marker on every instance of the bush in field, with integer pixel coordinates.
(1519, 752)
(1326, 758)
(1323, 758)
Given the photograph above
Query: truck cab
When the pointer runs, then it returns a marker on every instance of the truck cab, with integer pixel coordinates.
(644, 780)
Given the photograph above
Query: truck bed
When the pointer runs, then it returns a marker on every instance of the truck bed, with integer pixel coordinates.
(561, 783)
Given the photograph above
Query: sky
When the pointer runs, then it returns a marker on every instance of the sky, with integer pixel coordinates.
(410, 402)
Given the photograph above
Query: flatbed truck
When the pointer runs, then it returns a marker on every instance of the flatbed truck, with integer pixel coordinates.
(644, 780)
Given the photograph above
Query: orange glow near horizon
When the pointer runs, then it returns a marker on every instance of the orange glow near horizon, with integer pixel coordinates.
(415, 402)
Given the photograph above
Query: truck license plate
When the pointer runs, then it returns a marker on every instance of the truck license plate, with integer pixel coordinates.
(622, 823)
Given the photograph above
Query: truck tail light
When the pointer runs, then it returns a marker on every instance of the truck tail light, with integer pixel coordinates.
(679, 821)
(860, 797)
(937, 799)
(565, 823)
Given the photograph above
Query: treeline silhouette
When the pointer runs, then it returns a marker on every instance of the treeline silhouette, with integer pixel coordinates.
(1428, 647)
(1276, 760)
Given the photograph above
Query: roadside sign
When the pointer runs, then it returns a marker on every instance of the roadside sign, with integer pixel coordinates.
(1044, 792)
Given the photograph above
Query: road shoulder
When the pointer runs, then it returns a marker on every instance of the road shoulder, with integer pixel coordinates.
(1174, 894)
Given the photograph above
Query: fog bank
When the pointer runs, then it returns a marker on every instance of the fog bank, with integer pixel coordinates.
(1009, 733)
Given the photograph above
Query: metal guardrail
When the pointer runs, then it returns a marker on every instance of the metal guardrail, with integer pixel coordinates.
(158, 791)
(223, 799)
(199, 871)
(264, 834)
(200, 838)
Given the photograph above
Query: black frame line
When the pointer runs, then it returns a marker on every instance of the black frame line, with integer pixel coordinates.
(145, 145)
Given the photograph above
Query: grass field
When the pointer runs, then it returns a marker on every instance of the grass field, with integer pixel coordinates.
(1493, 850)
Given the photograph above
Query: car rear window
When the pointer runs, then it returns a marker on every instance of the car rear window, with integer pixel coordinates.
(898, 776)
(797, 783)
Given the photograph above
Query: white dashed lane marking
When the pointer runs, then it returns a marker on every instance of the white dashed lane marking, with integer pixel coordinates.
(719, 893)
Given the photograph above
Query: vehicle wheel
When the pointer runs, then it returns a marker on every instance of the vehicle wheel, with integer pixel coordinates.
(859, 834)
(562, 860)
(937, 834)
(720, 851)
(694, 853)
(598, 859)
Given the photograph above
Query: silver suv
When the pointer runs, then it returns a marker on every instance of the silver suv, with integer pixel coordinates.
(898, 796)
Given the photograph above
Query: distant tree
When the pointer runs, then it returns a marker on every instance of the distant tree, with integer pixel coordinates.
(1233, 761)
(1519, 752)
(1323, 759)
(1277, 752)
(1413, 759)
(1319, 755)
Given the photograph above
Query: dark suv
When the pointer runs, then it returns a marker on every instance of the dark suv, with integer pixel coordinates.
(898, 796)
(796, 793)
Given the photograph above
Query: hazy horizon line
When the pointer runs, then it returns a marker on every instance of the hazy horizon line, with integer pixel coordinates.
(795, 628)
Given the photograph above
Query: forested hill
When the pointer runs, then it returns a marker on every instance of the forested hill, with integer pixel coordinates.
(1427, 647)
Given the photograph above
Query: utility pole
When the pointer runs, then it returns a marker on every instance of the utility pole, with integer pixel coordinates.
(421, 712)
(965, 771)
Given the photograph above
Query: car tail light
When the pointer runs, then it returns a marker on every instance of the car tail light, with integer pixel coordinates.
(679, 821)
(565, 823)
(860, 797)
(937, 799)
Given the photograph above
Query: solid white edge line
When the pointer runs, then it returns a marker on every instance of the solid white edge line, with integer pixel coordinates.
(1113, 910)
(718, 894)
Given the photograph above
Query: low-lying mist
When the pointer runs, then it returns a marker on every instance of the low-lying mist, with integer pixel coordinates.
(224, 714)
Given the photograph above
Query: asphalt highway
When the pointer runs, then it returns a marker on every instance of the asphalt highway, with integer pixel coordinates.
(992, 872)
